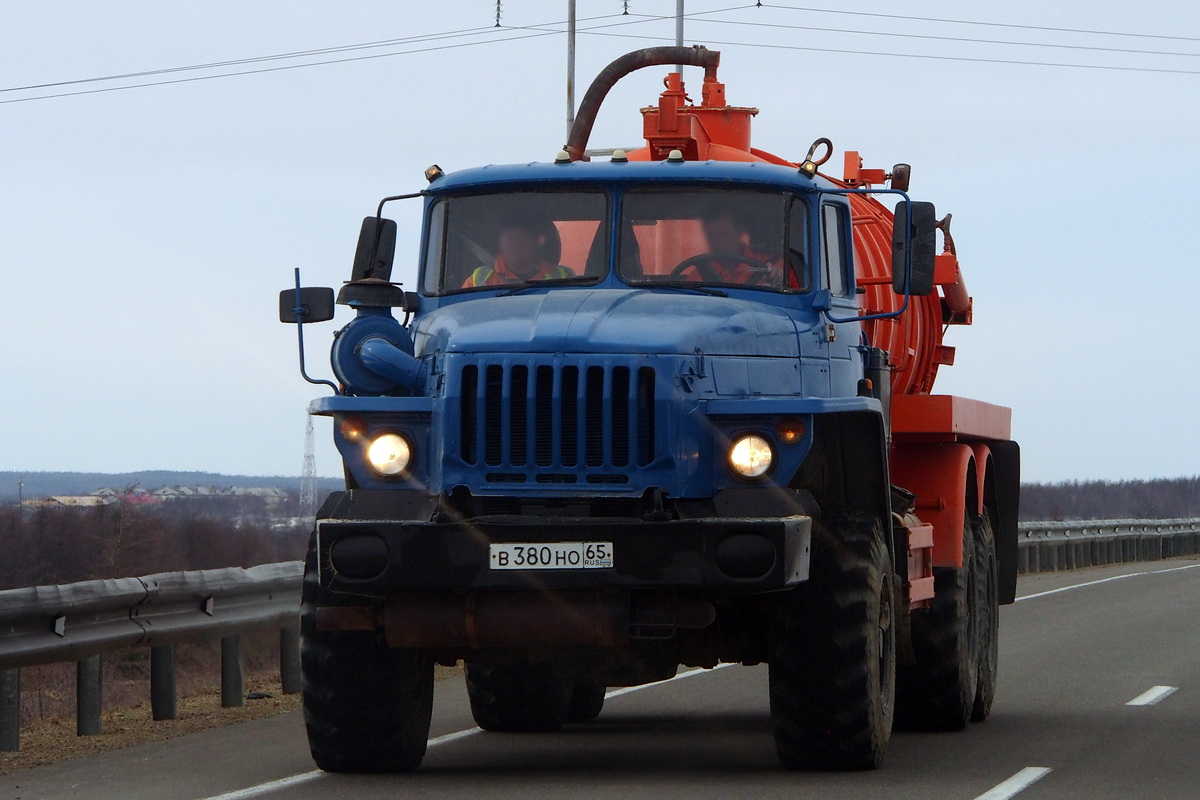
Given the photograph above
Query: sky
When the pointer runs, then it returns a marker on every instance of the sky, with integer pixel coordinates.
(145, 233)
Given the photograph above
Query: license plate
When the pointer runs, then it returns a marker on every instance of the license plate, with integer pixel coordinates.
(552, 555)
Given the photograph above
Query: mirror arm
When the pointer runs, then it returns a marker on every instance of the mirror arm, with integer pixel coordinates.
(907, 259)
(300, 313)
(384, 201)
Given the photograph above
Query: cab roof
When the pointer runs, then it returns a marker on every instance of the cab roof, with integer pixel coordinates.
(754, 173)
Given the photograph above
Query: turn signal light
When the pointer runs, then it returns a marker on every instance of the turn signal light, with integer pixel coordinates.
(790, 431)
(352, 429)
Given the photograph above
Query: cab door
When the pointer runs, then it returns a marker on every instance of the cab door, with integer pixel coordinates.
(836, 272)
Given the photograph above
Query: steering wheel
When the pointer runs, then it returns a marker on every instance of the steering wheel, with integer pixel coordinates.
(703, 265)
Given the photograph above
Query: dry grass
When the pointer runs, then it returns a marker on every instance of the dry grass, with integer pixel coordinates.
(52, 740)
(48, 698)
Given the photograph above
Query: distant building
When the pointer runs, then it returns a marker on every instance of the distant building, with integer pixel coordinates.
(70, 501)
(273, 495)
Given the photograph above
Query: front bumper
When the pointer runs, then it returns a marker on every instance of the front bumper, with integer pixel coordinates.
(718, 556)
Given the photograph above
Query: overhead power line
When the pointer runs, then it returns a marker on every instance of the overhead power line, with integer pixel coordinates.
(553, 28)
(541, 30)
(493, 38)
(983, 24)
(927, 56)
(258, 59)
(969, 40)
(274, 69)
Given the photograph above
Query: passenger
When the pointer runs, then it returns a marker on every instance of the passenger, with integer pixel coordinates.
(727, 236)
(519, 259)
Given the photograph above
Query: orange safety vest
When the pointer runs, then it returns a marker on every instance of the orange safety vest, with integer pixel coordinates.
(500, 274)
(739, 271)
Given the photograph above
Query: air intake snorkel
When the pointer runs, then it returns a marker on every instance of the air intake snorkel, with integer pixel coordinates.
(373, 355)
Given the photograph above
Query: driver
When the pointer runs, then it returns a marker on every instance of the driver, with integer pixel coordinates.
(519, 258)
(727, 236)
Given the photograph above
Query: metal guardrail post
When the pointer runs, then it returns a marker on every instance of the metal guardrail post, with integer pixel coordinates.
(163, 690)
(232, 695)
(289, 659)
(10, 710)
(89, 687)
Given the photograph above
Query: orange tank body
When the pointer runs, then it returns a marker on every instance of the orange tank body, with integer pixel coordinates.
(716, 131)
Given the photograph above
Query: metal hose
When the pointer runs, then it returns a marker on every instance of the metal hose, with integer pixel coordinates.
(585, 118)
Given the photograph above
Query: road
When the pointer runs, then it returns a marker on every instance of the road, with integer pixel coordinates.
(1076, 649)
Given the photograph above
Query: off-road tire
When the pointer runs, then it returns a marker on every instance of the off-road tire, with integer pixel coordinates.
(520, 697)
(937, 693)
(587, 701)
(366, 706)
(989, 617)
(833, 658)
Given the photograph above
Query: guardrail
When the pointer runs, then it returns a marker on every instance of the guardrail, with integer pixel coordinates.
(1053, 546)
(81, 621)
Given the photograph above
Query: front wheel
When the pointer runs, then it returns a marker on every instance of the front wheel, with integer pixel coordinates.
(833, 661)
(366, 706)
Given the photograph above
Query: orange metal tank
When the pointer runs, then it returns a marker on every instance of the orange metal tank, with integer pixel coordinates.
(716, 131)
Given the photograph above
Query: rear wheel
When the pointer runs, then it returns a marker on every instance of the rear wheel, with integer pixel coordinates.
(937, 693)
(517, 697)
(366, 706)
(587, 701)
(989, 618)
(833, 661)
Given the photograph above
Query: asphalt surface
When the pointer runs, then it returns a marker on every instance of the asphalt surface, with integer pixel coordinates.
(1075, 650)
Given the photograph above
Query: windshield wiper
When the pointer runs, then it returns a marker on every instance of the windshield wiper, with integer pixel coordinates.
(687, 287)
(573, 280)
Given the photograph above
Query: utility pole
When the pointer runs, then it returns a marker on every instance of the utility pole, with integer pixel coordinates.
(570, 66)
(308, 475)
(679, 30)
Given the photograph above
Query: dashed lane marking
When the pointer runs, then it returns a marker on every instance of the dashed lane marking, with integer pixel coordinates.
(1017, 783)
(1153, 695)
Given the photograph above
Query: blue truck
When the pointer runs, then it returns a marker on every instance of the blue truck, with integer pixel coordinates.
(631, 418)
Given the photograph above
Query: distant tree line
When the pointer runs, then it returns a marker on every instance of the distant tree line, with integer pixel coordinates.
(1154, 499)
(48, 545)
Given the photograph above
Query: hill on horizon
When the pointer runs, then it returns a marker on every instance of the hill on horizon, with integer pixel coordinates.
(47, 484)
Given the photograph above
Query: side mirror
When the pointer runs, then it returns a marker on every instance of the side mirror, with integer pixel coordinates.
(376, 250)
(918, 240)
(316, 305)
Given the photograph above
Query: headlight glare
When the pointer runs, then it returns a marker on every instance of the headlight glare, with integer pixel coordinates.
(389, 454)
(751, 456)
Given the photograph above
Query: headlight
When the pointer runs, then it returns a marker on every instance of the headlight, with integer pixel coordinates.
(389, 454)
(751, 456)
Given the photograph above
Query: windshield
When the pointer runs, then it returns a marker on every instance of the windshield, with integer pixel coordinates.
(516, 239)
(748, 239)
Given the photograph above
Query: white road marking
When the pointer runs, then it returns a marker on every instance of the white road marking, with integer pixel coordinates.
(1153, 695)
(305, 777)
(1105, 580)
(688, 674)
(1019, 782)
(269, 786)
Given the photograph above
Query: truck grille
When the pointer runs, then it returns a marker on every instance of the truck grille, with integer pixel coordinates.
(556, 417)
